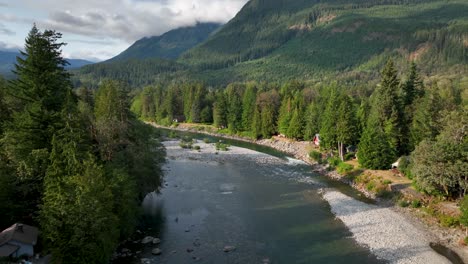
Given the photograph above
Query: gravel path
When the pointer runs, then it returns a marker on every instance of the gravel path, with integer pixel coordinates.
(388, 235)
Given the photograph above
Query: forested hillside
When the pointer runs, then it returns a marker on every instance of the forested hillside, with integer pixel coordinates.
(170, 44)
(311, 39)
(345, 40)
(75, 163)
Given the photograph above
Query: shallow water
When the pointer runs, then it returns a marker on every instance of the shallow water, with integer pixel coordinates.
(270, 213)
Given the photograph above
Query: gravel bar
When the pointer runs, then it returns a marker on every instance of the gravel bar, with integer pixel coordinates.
(387, 234)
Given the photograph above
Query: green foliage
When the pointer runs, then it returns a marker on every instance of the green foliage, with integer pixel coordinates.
(403, 203)
(440, 166)
(295, 129)
(375, 151)
(425, 123)
(344, 168)
(416, 203)
(464, 211)
(448, 221)
(316, 156)
(328, 132)
(221, 146)
(36, 99)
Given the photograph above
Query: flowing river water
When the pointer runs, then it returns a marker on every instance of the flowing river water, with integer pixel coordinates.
(271, 212)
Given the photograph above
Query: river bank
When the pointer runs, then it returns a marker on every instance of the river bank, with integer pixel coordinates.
(434, 233)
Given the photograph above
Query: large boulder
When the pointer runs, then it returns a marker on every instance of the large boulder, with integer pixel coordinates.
(156, 251)
(147, 240)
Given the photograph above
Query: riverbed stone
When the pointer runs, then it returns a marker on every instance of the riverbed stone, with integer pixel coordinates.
(156, 251)
(147, 240)
(145, 261)
(229, 248)
(156, 241)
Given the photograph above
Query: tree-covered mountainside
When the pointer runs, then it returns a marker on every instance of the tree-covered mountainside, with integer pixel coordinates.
(315, 40)
(169, 45)
(8, 59)
(310, 39)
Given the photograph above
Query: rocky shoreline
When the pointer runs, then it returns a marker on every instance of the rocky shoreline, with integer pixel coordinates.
(300, 150)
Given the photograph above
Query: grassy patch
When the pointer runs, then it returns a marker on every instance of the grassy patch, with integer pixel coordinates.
(221, 146)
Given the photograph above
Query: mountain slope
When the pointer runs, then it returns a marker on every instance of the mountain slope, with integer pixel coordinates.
(312, 38)
(169, 45)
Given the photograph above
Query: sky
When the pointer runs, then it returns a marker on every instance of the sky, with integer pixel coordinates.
(97, 30)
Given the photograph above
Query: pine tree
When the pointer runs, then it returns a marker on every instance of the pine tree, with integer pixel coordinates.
(256, 123)
(38, 96)
(219, 111)
(329, 119)
(296, 126)
(285, 115)
(346, 125)
(374, 151)
(412, 88)
(386, 108)
(248, 106)
(425, 123)
(234, 94)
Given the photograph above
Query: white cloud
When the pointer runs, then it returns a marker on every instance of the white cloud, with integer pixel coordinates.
(102, 29)
(9, 46)
(130, 20)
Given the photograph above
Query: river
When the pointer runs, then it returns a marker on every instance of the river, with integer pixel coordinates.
(267, 207)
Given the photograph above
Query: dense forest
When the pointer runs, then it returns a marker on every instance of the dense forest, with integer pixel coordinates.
(76, 163)
(402, 116)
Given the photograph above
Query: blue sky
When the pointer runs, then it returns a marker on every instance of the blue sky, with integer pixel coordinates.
(100, 29)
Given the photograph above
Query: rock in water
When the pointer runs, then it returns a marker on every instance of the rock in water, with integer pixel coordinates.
(156, 251)
(156, 241)
(145, 261)
(229, 248)
(147, 240)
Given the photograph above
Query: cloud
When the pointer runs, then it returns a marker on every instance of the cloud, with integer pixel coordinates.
(6, 31)
(130, 20)
(4, 46)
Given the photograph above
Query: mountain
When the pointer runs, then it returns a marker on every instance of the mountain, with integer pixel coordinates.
(310, 39)
(169, 45)
(8, 59)
(316, 41)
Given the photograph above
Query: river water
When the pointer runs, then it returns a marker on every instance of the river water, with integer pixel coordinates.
(270, 213)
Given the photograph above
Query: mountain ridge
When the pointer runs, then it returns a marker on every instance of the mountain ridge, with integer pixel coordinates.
(170, 44)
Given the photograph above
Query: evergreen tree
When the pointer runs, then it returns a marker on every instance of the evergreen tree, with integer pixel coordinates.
(328, 135)
(234, 94)
(413, 87)
(219, 111)
(375, 151)
(37, 100)
(248, 106)
(346, 126)
(285, 115)
(296, 126)
(256, 123)
(425, 123)
(386, 108)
